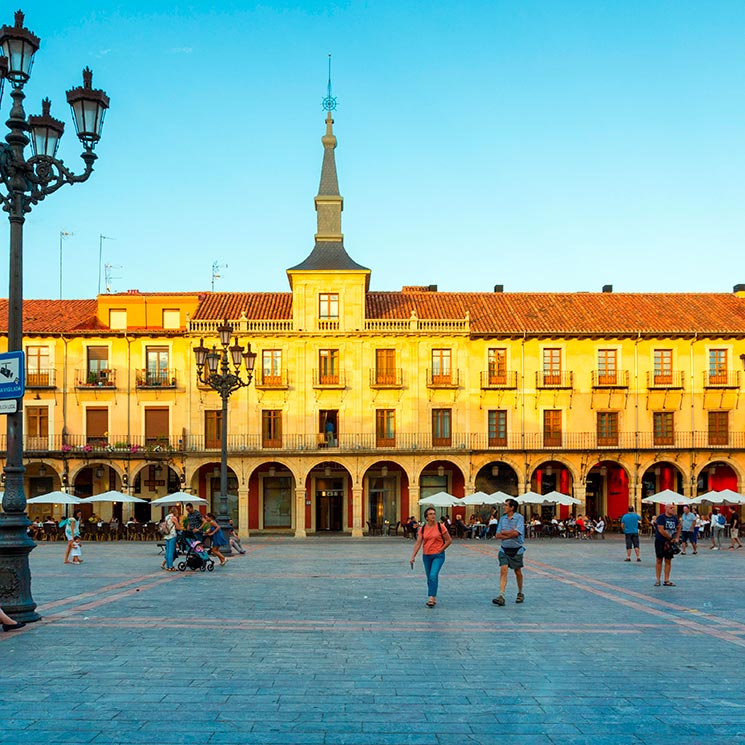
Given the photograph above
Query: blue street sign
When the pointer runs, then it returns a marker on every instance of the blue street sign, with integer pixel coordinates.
(12, 375)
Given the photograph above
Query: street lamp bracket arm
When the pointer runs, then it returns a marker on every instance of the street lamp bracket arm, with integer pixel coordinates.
(46, 175)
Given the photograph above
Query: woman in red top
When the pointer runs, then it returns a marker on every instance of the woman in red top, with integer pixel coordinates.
(435, 539)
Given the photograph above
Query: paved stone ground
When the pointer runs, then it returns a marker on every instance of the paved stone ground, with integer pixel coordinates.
(328, 641)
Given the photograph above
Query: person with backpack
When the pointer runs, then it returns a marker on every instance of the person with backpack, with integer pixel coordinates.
(433, 538)
(718, 523)
(511, 530)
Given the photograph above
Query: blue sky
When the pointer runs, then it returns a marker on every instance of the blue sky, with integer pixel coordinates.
(546, 146)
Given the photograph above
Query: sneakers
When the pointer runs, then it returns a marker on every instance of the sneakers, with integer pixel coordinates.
(499, 600)
(520, 598)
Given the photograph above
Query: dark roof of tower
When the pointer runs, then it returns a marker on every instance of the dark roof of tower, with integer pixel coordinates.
(328, 256)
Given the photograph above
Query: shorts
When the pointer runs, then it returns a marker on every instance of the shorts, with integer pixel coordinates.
(632, 540)
(660, 550)
(688, 536)
(513, 562)
(735, 532)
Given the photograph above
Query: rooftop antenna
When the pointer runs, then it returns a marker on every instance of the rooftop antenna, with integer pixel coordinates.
(216, 267)
(62, 234)
(329, 103)
(101, 239)
(108, 274)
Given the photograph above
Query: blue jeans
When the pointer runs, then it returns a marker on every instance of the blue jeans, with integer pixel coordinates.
(432, 565)
(170, 552)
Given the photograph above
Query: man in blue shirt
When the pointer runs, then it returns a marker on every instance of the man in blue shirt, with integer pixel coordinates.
(687, 523)
(511, 529)
(630, 522)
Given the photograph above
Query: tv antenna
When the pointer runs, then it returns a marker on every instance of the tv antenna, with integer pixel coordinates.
(108, 269)
(216, 267)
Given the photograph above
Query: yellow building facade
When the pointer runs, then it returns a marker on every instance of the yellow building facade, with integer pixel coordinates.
(364, 401)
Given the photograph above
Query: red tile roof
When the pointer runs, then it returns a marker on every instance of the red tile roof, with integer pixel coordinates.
(495, 313)
(255, 305)
(570, 313)
(53, 316)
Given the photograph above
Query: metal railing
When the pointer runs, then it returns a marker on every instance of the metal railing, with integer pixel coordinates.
(670, 380)
(268, 380)
(447, 379)
(547, 379)
(41, 378)
(155, 378)
(729, 379)
(95, 378)
(498, 379)
(386, 377)
(329, 380)
(610, 378)
(115, 446)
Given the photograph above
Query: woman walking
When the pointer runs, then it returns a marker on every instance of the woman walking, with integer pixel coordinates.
(172, 523)
(433, 538)
(218, 538)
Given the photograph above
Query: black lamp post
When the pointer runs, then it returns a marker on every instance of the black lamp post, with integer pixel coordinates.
(213, 369)
(26, 182)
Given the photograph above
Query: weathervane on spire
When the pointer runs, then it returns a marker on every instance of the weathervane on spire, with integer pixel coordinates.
(329, 103)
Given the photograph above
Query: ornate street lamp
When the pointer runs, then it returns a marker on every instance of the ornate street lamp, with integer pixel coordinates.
(213, 369)
(24, 183)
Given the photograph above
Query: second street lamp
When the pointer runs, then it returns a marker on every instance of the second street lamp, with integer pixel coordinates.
(214, 370)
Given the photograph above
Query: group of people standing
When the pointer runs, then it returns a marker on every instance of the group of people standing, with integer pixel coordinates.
(201, 526)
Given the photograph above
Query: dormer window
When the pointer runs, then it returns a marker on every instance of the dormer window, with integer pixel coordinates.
(328, 306)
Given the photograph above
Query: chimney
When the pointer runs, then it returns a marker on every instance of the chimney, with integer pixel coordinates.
(607, 288)
(498, 288)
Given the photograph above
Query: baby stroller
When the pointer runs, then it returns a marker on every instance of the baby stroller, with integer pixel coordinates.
(195, 555)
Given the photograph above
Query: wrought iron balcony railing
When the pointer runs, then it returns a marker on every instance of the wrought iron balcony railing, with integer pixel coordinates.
(610, 378)
(550, 379)
(120, 446)
(443, 379)
(491, 379)
(268, 380)
(325, 379)
(726, 379)
(95, 378)
(41, 378)
(156, 378)
(386, 377)
(668, 379)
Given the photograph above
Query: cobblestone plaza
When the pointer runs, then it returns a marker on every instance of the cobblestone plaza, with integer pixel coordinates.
(328, 641)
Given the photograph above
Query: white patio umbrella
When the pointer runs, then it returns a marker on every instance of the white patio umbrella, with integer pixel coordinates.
(55, 497)
(726, 496)
(177, 498)
(113, 496)
(441, 499)
(558, 497)
(531, 497)
(666, 496)
(477, 499)
(500, 497)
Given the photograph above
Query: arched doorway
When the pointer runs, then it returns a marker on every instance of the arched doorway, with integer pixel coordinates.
(330, 484)
(607, 490)
(152, 481)
(208, 487)
(386, 490)
(552, 476)
(715, 477)
(442, 475)
(656, 478)
(271, 503)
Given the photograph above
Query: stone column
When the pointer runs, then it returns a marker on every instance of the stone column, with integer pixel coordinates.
(300, 512)
(356, 512)
(414, 500)
(580, 492)
(243, 531)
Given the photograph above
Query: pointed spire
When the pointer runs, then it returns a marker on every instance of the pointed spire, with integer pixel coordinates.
(329, 203)
(329, 253)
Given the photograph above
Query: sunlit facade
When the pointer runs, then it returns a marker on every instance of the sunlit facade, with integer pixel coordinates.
(364, 401)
